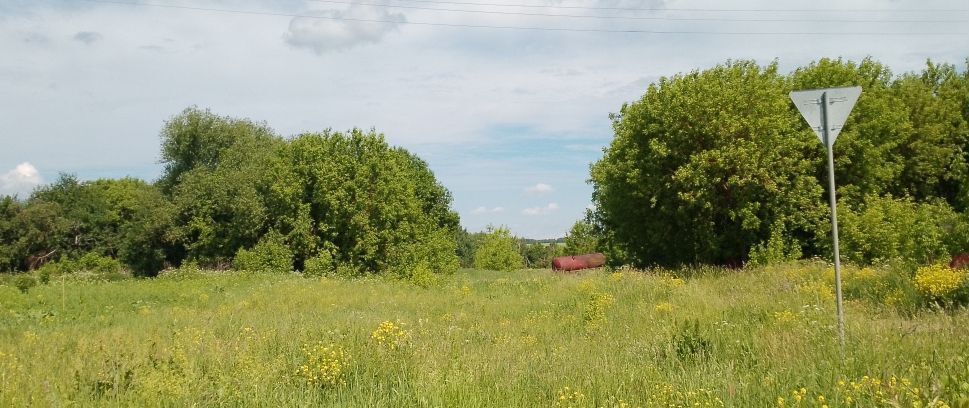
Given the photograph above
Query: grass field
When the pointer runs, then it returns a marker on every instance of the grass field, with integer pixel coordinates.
(748, 338)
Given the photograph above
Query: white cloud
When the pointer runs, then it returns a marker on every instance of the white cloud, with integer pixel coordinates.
(486, 210)
(20, 180)
(328, 34)
(539, 189)
(548, 209)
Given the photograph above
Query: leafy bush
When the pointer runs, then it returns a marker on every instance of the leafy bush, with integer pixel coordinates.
(347, 270)
(24, 282)
(187, 270)
(44, 275)
(498, 251)
(379, 207)
(435, 253)
(93, 262)
(319, 265)
(10, 253)
(51, 269)
(777, 249)
(539, 255)
(422, 275)
(270, 254)
(900, 229)
(126, 218)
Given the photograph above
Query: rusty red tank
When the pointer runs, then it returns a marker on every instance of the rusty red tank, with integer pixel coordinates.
(578, 262)
(959, 261)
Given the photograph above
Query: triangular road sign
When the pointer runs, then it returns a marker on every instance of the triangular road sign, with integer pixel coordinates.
(839, 104)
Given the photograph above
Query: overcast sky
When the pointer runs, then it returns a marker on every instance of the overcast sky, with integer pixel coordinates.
(508, 119)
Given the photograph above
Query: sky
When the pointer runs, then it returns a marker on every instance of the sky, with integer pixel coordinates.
(509, 119)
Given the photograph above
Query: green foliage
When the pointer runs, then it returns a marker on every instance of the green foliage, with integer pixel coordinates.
(901, 229)
(467, 245)
(582, 239)
(227, 204)
(935, 154)
(52, 269)
(197, 139)
(690, 342)
(93, 262)
(269, 254)
(498, 251)
(10, 256)
(778, 248)
(539, 255)
(65, 218)
(421, 275)
(126, 218)
(704, 165)
(90, 266)
(716, 166)
(227, 184)
(866, 152)
(345, 270)
(141, 219)
(378, 207)
(319, 265)
(24, 282)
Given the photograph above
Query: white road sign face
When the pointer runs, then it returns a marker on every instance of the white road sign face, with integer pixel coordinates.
(839, 101)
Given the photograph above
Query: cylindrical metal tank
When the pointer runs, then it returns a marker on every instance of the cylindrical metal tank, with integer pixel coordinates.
(959, 261)
(578, 262)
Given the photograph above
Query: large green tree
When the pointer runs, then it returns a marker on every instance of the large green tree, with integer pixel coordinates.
(198, 138)
(10, 255)
(936, 153)
(370, 205)
(704, 166)
(711, 164)
(230, 206)
(867, 153)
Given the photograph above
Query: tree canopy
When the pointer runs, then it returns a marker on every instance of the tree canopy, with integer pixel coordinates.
(233, 187)
(708, 165)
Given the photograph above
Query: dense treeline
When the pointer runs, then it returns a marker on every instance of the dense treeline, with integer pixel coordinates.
(713, 166)
(716, 166)
(233, 190)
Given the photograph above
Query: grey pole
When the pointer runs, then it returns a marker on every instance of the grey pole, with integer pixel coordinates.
(834, 221)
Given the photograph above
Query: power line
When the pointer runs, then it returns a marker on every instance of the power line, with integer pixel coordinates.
(500, 27)
(654, 18)
(466, 3)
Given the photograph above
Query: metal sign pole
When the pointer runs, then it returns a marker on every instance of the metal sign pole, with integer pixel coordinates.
(834, 221)
(826, 111)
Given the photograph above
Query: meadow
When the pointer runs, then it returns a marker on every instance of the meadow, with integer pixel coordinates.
(608, 338)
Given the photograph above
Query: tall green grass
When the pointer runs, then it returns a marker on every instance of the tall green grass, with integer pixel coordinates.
(709, 337)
